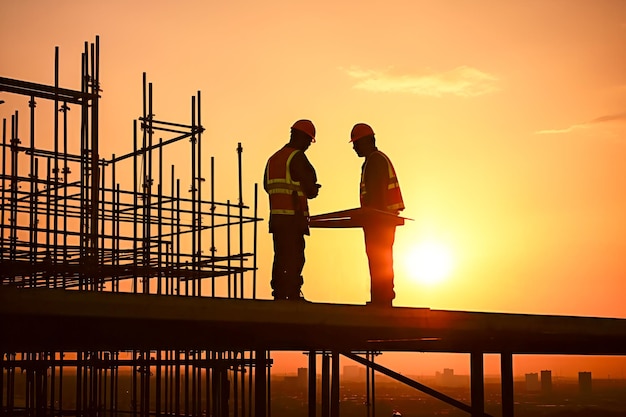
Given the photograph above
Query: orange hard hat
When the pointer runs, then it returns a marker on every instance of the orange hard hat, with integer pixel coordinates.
(305, 126)
(360, 130)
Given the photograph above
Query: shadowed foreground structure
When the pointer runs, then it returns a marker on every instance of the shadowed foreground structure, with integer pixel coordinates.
(115, 301)
(209, 333)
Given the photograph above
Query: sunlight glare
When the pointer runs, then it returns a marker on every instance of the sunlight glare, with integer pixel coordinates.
(429, 262)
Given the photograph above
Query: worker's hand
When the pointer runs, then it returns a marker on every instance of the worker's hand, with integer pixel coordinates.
(317, 189)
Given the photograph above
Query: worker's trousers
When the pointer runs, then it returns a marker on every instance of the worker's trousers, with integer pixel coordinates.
(379, 248)
(288, 263)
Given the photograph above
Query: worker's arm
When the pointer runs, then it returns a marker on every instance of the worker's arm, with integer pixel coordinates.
(303, 171)
(376, 181)
(265, 187)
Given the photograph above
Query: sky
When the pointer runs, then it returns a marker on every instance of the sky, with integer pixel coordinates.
(505, 121)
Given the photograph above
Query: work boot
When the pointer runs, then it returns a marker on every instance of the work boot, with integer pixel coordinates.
(295, 294)
(297, 297)
(380, 303)
(293, 289)
(279, 295)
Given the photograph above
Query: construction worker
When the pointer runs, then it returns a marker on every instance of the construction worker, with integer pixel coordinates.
(290, 180)
(379, 189)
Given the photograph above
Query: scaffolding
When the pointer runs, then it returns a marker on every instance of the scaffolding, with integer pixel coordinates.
(70, 219)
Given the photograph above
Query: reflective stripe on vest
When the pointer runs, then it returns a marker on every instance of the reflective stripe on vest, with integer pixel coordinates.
(281, 187)
(393, 198)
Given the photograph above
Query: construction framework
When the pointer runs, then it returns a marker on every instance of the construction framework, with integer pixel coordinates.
(71, 219)
(114, 300)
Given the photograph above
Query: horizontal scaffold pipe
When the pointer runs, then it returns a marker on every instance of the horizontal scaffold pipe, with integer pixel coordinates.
(193, 128)
(60, 155)
(26, 88)
(141, 151)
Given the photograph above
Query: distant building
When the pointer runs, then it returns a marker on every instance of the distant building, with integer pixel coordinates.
(584, 382)
(353, 373)
(290, 380)
(303, 374)
(532, 382)
(447, 378)
(546, 382)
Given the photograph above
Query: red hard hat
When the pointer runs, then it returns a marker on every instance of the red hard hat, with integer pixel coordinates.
(360, 130)
(305, 126)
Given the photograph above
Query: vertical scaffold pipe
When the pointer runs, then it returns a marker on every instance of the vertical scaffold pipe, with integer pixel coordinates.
(239, 177)
(176, 387)
(79, 382)
(198, 128)
(506, 370)
(194, 177)
(212, 226)
(325, 384)
(4, 204)
(160, 242)
(55, 169)
(232, 289)
(477, 386)
(371, 386)
(243, 382)
(66, 172)
(251, 377)
(53, 376)
(234, 359)
(135, 256)
(261, 391)
(115, 218)
(103, 222)
(147, 197)
(15, 142)
(194, 382)
(146, 152)
(254, 227)
(159, 265)
(186, 382)
(61, 365)
(334, 386)
(84, 171)
(95, 168)
(173, 290)
(32, 238)
(312, 383)
(268, 364)
(178, 250)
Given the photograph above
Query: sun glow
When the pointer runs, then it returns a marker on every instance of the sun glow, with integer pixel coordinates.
(429, 262)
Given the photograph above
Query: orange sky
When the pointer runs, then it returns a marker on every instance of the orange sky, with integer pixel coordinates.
(506, 124)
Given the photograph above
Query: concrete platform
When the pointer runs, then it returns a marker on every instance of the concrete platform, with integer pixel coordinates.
(56, 319)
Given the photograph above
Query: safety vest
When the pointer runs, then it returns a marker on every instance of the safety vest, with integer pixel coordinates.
(281, 187)
(393, 199)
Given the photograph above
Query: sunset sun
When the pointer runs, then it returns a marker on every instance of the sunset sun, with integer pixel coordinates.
(429, 262)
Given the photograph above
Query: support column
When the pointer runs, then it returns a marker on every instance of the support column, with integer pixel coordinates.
(312, 386)
(224, 392)
(260, 387)
(325, 385)
(506, 372)
(477, 384)
(334, 387)
(371, 386)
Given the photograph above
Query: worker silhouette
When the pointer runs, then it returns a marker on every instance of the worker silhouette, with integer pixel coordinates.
(380, 190)
(290, 181)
